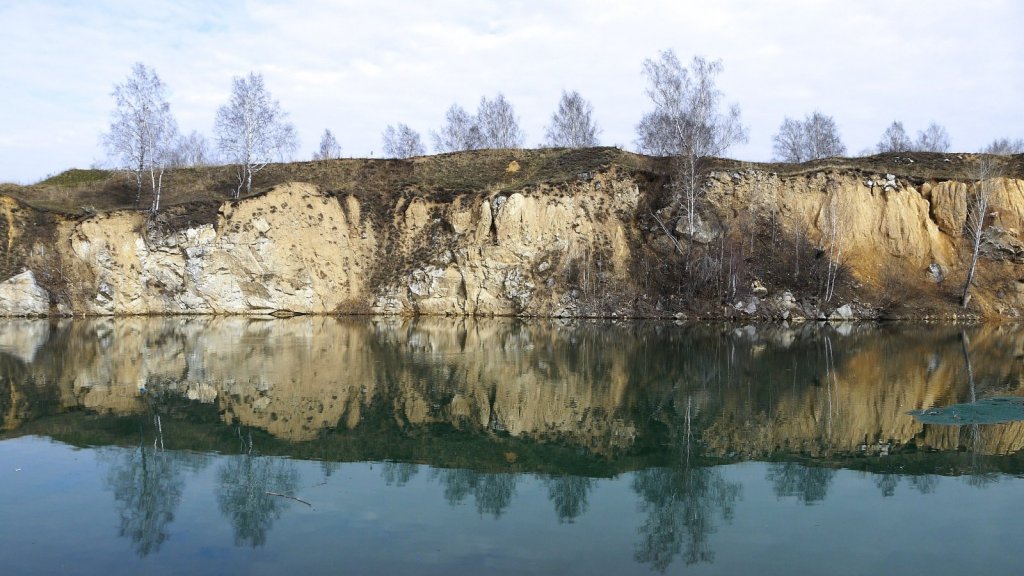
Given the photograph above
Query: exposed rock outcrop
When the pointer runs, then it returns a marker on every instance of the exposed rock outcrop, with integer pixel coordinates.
(573, 247)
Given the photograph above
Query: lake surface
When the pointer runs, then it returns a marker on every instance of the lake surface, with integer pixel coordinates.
(319, 445)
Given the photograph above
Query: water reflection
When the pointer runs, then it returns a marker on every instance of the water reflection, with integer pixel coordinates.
(147, 484)
(682, 505)
(479, 406)
(254, 491)
(568, 494)
(147, 481)
(808, 484)
(808, 390)
(491, 493)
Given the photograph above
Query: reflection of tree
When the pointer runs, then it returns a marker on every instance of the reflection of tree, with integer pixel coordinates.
(492, 492)
(924, 483)
(809, 484)
(980, 476)
(246, 486)
(329, 467)
(681, 504)
(147, 484)
(398, 473)
(569, 495)
(887, 483)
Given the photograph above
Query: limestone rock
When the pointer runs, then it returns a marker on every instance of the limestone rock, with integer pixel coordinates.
(844, 312)
(21, 296)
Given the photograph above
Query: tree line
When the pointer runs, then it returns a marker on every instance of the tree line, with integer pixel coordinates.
(687, 121)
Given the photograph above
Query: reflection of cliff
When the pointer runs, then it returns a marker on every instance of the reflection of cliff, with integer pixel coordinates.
(855, 392)
(603, 386)
(297, 377)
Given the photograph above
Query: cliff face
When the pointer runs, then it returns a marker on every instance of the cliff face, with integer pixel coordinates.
(603, 241)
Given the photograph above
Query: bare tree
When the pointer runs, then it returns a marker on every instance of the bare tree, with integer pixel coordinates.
(686, 121)
(932, 139)
(572, 126)
(402, 142)
(252, 129)
(823, 138)
(788, 142)
(329, 147)
(1005, 146)
(894, 139)
(498, 124)
(142, 131)
(460, 132)
(191, 150)
(977, 215)
(817, 136)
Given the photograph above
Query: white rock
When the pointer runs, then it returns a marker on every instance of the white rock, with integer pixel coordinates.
(20, 295)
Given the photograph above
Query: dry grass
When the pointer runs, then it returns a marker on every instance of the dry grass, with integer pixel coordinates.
(440, 176)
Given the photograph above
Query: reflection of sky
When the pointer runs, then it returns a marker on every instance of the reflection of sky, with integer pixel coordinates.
(57, 513)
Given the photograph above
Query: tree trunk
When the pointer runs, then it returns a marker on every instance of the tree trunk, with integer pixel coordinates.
(966, 297)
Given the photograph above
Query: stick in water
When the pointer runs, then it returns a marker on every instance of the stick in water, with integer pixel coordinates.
(289, 497)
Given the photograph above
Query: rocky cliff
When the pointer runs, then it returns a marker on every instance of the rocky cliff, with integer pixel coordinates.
(541, 233)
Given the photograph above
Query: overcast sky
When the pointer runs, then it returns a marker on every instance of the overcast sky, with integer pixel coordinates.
(356, 66)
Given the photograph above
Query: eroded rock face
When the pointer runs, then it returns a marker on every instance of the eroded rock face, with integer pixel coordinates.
(299, 250)
(294, 249)
(539, 251)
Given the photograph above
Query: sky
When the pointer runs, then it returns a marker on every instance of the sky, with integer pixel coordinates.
(355, 67)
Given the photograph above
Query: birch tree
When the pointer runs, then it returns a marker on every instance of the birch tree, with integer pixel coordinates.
(572, 125)
(498, 123)
(329, 147)
(816, 137)
(252, 130)
(932, 139)
(495, 125)
(1005, 146)
(978, 205)
(687, 121)
(402, 141)
(835, 220)
(894, 139)
(142, 130)
(459, 132)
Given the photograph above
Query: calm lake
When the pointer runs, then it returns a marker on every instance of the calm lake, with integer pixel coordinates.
(318, 445)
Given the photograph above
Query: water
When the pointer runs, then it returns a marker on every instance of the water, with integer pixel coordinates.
(317, 445)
